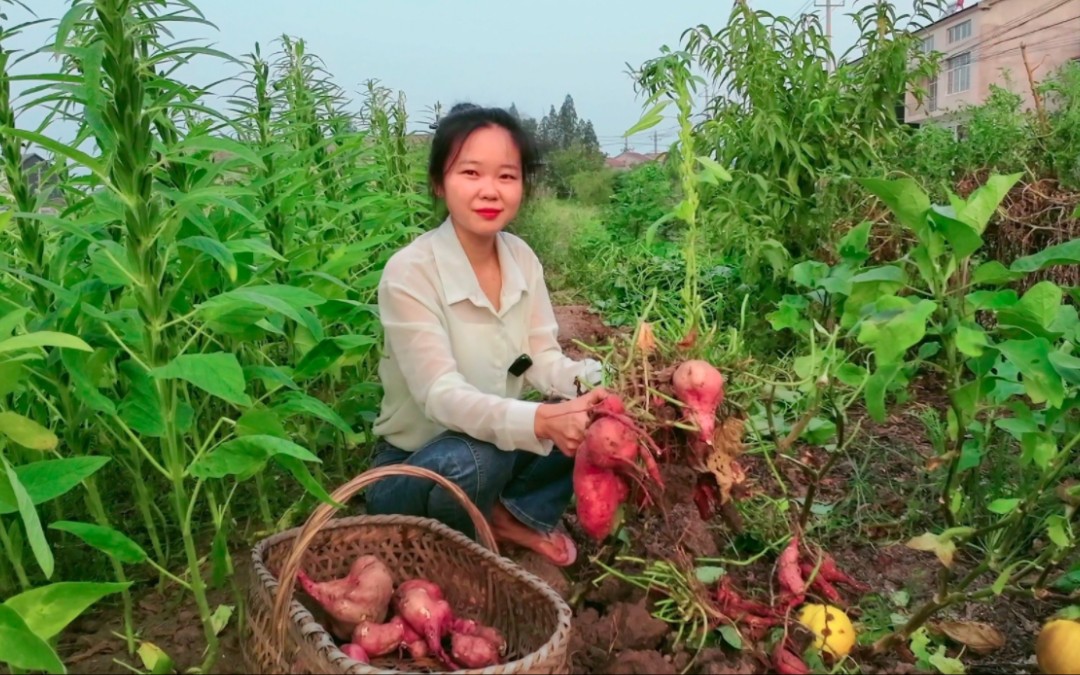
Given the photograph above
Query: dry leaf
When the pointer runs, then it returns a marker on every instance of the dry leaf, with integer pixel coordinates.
(646, 341)
(944, 550)
(979, 637)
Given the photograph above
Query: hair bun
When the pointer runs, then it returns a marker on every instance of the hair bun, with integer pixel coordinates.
(462, 107)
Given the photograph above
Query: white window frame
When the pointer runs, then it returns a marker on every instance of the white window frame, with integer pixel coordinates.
(932, 94)
(959, 73)
(959, 32)
(928, 44)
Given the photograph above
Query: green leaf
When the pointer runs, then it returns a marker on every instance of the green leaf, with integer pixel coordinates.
(1037, 309)
(296, 402)
(43, 338)
(1003, 507)
(26, 432)
(877, 387)
(59, 148)
(49, 609)
(141, 408)
(154, 659)
(260, 422)
(946, 665)
(714, 169)
(960, 235)
(896, 325)
(971, 339)
(318, 359)
(1038, 448)
(1057, 529)
(993, 272)
(214, 249)
(253, 246)
(21, 648)
(1042, 382)
(808, 273)
(216, 144)
(709, 574)
(51, 478)
(246, 455)
(943, 548)
(853, 245)
(300, 472)
(217, 373)
(12, 320)
(649, 120)
(1067, 253)
(731, 636)
(288, 301)
(31, 523)
(109, 262)
(908, 202)
(106, 539)
(76, 364)
(980, 206)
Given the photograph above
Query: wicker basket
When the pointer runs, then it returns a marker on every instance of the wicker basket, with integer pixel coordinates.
(283, 636)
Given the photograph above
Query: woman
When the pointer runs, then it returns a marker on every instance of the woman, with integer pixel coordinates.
(468, 323)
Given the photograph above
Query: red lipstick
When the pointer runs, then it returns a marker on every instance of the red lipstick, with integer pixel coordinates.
(489, 214)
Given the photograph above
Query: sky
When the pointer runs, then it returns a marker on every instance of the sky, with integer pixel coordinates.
(490, 52)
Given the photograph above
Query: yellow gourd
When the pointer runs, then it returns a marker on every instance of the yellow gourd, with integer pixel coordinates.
(1058, 647)
(831, 626)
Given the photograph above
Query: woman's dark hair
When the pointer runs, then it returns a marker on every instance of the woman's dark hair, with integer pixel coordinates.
(465, 118)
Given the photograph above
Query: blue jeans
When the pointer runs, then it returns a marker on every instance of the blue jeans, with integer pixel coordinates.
(535, 489)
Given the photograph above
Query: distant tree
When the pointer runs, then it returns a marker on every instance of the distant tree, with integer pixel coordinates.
(568, 144)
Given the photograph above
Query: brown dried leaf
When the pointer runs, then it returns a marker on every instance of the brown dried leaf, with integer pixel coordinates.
(981, 638)
(646, 340)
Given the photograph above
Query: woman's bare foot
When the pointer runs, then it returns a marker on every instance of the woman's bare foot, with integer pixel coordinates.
(556, 547)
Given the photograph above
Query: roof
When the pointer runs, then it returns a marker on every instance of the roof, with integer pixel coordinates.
(949, 16)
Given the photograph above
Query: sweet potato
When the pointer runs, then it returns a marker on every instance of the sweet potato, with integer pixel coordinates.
(599, 493)
(354, 651)
(489, 633)
(379, 639)
(421, 605)
(787, 569)
(819, 583)
(787, 663)
(361, 595)
(700, 388)
(473, 651)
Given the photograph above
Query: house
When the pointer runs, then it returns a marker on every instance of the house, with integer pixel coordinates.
(986, 43)
(628, 159)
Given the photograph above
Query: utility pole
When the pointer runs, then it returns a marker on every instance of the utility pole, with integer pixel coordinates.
(654, 145)
(829, 6)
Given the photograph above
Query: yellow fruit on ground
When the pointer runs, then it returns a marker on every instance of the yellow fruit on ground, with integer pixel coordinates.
(831, 626)
(1058, 647)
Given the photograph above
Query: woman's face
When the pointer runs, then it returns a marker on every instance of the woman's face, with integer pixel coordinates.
(483, 186)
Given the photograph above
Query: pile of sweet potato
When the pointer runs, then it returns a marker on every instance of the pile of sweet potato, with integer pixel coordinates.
(374, 619)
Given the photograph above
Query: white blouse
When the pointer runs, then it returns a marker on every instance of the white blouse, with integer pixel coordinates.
(447, 351)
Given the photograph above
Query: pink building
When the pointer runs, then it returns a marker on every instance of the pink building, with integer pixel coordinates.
(984, 43)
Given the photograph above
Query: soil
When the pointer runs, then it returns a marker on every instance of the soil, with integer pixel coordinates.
(614, 628)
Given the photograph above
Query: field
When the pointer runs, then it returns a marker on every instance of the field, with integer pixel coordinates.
(189, 342)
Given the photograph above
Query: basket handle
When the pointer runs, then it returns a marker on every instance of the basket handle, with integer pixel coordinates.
(323, 513)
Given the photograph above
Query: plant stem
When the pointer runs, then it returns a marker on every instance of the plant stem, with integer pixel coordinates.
(14, 559)
(97, 510)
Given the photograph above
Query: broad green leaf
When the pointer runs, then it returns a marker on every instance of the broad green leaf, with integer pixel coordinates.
(141, 408)
(246, 455)
(1038, 448)
(981, 204)
(49, 609)
(217, 373)
(992, 300)
(1036, 310)
(1003, 507)
(260, 422)
(731, 636)
(214, 249)
(877, 387)
(1042, 382)
(896, 325)
(961, 236)
(853, 245)
(76, 362)
(257, 246)
(296, 402)
(908, 202)
(12, 320)
(300, 472)
(993, 272)
(21, 648)
(318, 359)
(272, 377)
(789, 314)
(109, 262)
(946, 665)
(851, 374)
(43, 338)
(50, 478)
(31, 523)
(289, 301)
(12, 374)
(809, 273)
(971, 339)
(1067, 253)
(649, 120)
(106, 539)
(26, 432)
(709, 574)
(971, 455)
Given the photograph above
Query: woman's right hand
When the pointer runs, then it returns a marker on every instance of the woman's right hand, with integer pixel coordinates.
(565, 423)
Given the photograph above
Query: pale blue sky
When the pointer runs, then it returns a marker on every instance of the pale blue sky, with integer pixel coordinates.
(485, 51)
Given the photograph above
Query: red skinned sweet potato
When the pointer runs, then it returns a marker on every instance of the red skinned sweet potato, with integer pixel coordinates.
(421, 605)
(599, 494)
(354, 651)
(361, 595)
(700, 387)
(379, 639)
